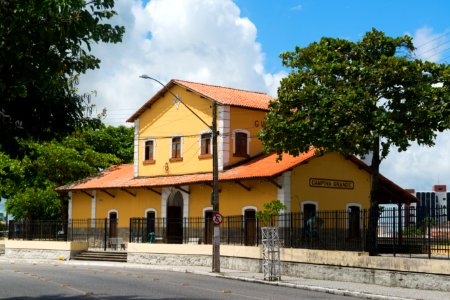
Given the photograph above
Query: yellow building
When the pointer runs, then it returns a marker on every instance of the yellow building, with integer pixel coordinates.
(171, 176)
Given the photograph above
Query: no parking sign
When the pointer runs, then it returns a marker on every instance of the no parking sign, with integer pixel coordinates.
(217, 218)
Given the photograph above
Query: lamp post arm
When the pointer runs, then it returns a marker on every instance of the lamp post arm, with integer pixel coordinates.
(176, 97)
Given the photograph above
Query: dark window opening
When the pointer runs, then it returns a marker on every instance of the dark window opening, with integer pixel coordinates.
(241, 144)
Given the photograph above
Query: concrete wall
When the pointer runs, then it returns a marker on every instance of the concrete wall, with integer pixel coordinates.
(43, 249)
(316, 264)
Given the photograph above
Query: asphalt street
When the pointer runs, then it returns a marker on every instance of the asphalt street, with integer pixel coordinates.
(59, 281)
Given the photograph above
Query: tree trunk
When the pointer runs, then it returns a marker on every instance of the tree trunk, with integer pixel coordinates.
(371, 236)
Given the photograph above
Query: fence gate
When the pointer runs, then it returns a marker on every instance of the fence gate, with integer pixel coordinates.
(101, 234)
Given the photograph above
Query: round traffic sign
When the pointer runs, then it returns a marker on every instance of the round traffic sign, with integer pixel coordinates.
(217, 218)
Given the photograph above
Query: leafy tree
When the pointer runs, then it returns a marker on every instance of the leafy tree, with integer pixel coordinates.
(29, 183)
(356, 98)
(110, 139)
(44, 45)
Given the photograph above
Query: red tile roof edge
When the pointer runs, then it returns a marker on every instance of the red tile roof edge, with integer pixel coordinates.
(172, 82)
(229, 175)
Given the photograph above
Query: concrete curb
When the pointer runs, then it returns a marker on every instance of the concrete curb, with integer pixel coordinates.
(333, 291)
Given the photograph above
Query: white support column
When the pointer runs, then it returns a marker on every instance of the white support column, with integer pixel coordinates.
(136, 148)
(93, 207)
(284, 194)
(69, 207)
(223, 140)
(185, 201)
(165, 193)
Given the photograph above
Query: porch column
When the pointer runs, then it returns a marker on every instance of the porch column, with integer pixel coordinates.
(284, 194)
(93, 207)
(69, 207)
(223, 140)
(136, 148)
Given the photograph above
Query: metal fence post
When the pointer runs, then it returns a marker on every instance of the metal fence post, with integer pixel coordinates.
(106, 228)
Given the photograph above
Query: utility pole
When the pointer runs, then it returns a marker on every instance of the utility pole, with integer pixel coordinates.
(215, 195)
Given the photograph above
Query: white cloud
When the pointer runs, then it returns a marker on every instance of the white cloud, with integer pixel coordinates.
(198, 40)
(297, 7)
(430, 46)
(421, 167)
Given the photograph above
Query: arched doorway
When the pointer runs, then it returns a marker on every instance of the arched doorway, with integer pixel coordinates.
(112, 224)
(250, 227)
(175, 218)
(354, 224)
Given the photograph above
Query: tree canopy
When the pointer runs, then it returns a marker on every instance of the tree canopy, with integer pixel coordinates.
(44, 45)
(29, 183)
(356, 98)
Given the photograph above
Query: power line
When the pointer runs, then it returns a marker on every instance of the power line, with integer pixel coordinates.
(434, 39)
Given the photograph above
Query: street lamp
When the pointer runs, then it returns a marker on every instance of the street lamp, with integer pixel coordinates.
(215, 193)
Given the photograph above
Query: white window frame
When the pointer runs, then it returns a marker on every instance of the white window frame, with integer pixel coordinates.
(181, 144)
(151, 209)
(200, 141)
(233, 137)
(347, 209)
(309, 202)
(114, 210)
(154, 147)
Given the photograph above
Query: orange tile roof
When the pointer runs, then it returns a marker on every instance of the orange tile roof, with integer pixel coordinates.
(265, 166)
(220, 94)
(122, 176)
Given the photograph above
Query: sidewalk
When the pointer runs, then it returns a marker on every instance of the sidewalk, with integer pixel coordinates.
(365, 291)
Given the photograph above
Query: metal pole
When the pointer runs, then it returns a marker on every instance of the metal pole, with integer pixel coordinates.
(216, 234)
(215, 194)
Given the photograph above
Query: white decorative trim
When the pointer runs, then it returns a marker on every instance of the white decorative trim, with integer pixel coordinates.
(150, 209)
(205, 210)
(113, 210)
(233, 136)
(93, 207)
(200, 141)
(248, 208)
(186, 197)
(309, 202)
(69, 206)
(223, 140)
(181, 144)
(165, 193)
(284, 194)
(154, 147)
(347, 206)
(136, 148)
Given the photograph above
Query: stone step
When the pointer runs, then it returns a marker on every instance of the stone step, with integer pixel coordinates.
(101, 256)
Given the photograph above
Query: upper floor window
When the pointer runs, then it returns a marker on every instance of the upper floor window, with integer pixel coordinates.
(149, 151)
(176, 149)
(241, 144)
(205, 145)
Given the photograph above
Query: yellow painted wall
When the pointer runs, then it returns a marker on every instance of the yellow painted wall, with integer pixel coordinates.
(232, 198)
(127, 205)
(165, 120)
(81, 205)
(329, 166)
(251, 121)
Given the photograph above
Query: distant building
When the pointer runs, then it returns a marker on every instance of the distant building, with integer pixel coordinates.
(436, 203)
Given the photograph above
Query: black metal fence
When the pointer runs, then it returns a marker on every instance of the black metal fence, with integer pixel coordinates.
(332, 230)
(98, 232)
(411, 230)
(414, 230)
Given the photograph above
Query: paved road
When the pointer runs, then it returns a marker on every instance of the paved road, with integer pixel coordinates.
(57, 281)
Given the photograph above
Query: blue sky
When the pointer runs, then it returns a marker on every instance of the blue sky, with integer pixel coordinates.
(282, 25)
(237, 44)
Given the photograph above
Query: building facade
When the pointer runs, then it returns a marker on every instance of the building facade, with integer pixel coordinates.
(171, 176)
